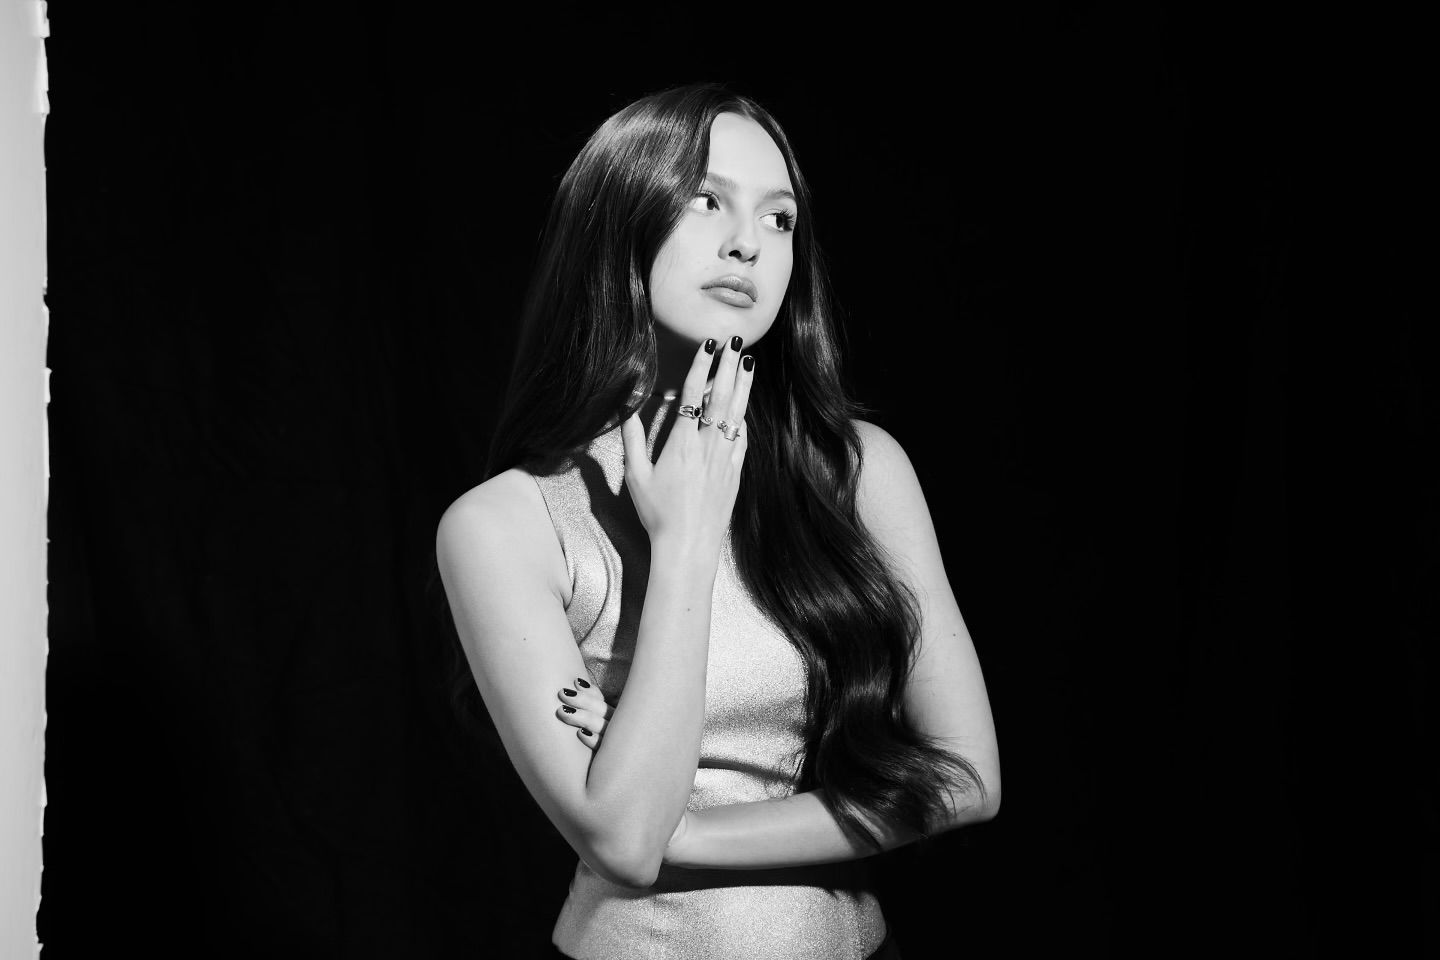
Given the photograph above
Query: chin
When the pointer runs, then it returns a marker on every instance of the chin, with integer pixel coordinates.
(722, 322)
(750, 325)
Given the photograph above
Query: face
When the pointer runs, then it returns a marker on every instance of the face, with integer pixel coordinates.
(724, 270)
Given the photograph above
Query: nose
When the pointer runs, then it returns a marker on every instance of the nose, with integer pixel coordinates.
(742, 244)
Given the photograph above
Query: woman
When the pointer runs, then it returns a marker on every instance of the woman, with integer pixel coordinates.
(725, 587)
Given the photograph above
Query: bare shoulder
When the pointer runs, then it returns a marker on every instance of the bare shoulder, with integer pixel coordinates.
(881, 451)
(502, 523)
(497, 498)
(888, 495)
(885, 469)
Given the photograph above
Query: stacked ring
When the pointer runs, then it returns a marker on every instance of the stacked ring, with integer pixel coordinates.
(689, 410)
(706, 421)
(728, 430)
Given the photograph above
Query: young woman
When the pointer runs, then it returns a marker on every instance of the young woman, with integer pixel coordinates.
(703, 603)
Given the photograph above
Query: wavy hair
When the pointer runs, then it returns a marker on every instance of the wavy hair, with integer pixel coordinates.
(586, 359)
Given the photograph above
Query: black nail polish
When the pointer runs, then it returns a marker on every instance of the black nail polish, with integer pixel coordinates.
(568, 692)
(710, 345)
(586, 731)
(567, 709)
(748, 363)
(583, 683)
(735, 344)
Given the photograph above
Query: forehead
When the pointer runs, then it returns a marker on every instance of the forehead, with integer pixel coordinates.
(741, 150)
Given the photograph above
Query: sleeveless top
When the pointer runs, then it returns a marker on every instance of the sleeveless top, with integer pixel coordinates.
(750, 749)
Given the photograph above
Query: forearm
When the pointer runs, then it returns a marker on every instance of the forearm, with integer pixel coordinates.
(792, 831)
(787, 832)
(641, 778)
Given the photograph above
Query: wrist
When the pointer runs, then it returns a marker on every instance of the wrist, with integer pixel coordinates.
(688, 554)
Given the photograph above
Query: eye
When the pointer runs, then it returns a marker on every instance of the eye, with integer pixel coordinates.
(705, 202)
(783, 220)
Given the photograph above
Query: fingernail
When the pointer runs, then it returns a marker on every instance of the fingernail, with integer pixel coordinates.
(583, 683)
(567, 709)
(568, 692)
(586, 731)
(735, 344)
(748, 363)
(710, 345)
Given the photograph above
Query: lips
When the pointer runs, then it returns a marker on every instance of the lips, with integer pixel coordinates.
(738, 284)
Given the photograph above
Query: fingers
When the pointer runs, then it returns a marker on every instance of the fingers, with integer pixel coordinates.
(740, 400)
(724, 388)
(585, 696)
(583, 707)
(693, 390)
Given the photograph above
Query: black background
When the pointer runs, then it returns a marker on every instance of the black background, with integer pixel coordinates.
(1138, 293)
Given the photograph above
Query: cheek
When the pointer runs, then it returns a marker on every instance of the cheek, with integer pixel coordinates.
(669, 269)
(784, 266)
(662, 277)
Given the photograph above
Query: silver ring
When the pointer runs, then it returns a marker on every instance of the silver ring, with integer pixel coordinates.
(706, 421)
(729, 430)
(689, 410)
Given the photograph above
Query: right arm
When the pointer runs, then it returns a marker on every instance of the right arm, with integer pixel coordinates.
(624, 803)
(503, 574)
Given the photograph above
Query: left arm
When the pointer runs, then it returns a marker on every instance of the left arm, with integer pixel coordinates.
(945, 698)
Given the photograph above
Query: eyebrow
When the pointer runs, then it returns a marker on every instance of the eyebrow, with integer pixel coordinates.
(725, 183)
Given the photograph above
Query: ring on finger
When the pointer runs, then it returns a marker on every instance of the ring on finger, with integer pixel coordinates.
(706, 421)
(728, 430)
(689, 410)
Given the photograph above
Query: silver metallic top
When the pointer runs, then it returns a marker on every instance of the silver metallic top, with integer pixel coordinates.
(750, 750)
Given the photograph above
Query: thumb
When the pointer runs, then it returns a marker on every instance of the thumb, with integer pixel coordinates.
(637, 458)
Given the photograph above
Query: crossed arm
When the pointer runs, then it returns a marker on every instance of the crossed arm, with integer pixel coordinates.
(946, 699)
(506, 585)
(623, 808)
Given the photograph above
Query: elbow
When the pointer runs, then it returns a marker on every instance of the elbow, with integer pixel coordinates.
(627, 864)
(989, 803)
(974, 811)
(989, 806)
(976, 806)
(632, 872)
(623, 845)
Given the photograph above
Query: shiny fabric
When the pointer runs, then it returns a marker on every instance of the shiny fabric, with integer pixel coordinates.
(889, 950)
(750, 750)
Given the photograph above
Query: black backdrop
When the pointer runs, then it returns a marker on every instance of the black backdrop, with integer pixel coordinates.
(1138, 294)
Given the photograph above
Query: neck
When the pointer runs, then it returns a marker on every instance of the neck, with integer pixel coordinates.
(672, 361)
(673, 356)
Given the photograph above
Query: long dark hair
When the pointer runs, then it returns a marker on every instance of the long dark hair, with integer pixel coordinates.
(587, 359)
